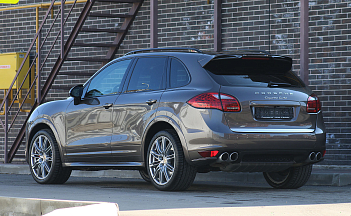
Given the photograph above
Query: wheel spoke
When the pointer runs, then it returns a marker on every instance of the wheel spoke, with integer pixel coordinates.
(41, 143)
(170, 168)
(157, 156)
(158, 146)
(49, 159)
(170, 157)
(35, 156)
(165, 173)
(164, 143)
(35, 165)
(46, 167)
(48, 150)
(155, 171)
(154, 164)
(42, 168)
(36, 147)
(168, 148)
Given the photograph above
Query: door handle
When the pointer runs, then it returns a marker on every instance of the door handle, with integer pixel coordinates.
(150, 102)
(107, 105)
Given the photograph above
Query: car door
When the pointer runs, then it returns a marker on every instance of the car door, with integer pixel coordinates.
(89, 123)
(136, 106)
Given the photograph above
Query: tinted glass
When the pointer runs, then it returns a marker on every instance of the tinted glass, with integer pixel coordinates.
(252, 73)
(147, 74)
(179, 75)
(109, 80)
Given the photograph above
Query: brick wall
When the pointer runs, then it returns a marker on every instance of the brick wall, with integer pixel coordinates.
(189, 23)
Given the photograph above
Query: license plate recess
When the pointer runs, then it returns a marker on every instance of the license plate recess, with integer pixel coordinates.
(273, 113)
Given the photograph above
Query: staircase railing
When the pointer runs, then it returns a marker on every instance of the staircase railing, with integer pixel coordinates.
(9, 100)
(65, 47)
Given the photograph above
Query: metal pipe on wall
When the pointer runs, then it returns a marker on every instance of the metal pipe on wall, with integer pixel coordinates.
(153, 24)
(304, 59)
(217, 25)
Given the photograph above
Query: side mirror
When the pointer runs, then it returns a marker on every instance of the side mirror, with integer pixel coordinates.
(76, 92)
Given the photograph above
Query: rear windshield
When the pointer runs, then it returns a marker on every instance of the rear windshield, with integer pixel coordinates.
(257, 73)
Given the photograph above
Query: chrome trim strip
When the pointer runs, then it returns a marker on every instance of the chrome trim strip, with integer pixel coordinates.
(268, 130)
(124, 151)
(89, 153)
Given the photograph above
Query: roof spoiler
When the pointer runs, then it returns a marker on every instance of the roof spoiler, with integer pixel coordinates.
(204, 60)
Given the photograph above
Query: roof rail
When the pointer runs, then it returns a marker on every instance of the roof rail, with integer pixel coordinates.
(175, 49)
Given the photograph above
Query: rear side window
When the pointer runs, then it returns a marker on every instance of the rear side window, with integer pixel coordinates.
(147, 74)
(256, 73)
(179, 75)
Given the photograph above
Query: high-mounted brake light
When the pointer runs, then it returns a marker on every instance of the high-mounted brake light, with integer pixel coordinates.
(212, 100)
(313, 104)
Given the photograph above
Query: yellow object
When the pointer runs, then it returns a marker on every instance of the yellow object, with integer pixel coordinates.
(40, 5)
(9, 65)
(9, 1)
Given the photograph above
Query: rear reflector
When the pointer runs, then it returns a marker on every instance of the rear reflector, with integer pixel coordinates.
(313, 104)
(208, 153)
(212, 100)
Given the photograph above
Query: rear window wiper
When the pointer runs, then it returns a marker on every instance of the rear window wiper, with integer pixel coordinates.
(275, 84)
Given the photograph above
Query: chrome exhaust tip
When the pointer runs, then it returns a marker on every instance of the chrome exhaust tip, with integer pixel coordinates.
(312, 156)
(224, 156)
(234, 156)
(318, 156)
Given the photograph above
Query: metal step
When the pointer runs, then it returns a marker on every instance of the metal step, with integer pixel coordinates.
(88, 59)
(94, 45)
(84, 29)
(95, 14)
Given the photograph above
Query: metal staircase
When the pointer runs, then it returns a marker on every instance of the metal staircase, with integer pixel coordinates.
(39, 60)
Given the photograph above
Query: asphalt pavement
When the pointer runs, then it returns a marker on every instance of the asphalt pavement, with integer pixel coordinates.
(326, 193)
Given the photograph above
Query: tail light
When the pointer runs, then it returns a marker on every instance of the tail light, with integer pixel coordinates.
(313, 104)
(219, 101)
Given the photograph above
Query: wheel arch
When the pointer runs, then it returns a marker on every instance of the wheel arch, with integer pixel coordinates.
(38, 125)
(159, 124)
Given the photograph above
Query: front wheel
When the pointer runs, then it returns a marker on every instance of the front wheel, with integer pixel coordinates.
(291, 178)
(45, 162)
(166, 164)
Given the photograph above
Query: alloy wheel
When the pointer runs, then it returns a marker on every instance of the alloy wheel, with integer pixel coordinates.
(41, 157)
(162, 160)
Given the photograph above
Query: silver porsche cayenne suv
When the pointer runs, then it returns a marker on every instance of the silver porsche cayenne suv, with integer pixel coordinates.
(173, 112)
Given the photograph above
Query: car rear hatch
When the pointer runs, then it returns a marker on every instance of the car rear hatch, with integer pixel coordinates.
(272, 98)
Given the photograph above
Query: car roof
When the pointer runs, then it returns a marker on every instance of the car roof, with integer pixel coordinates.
(202, 57)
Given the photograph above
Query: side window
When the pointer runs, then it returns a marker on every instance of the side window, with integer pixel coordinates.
(147, 74)
(179, 75)
(109, 80)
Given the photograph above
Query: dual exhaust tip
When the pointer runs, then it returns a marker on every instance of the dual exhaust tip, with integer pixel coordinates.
(225, 156)
(315, 156)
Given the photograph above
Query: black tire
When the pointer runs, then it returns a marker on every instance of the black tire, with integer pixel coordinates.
(45, 161)
(143, 173)
(162, 160)
(291, 178)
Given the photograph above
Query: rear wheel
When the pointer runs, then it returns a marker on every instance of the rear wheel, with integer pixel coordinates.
(45, 162)
(291, 178)
(166, 164)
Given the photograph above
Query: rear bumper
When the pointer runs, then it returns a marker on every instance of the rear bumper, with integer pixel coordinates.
(260, 152)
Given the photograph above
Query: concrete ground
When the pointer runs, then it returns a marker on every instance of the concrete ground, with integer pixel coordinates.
(211, 194)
